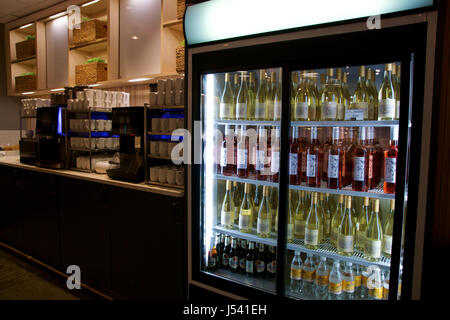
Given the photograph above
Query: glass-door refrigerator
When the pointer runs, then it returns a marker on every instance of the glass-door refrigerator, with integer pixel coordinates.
(308, 152)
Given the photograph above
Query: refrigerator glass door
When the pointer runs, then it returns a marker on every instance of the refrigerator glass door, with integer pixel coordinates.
(240, 116)
(342, 181)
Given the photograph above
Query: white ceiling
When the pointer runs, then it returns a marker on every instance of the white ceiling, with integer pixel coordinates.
(13, 9)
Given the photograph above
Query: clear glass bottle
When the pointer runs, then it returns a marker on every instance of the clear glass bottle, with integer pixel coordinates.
(375, 284)
(300, 217)
(359, 107)
(321, 281)
(308, 276)
(388, 231)
(246, 211)
(251, 97)
(387, 96)
(361, 225)
(348, 282)
(227, 212)
(345, 237)
(260, 99)
(313, 225)
(336, 220)
(264, 218)
(357, 276)
(335, 282)
(242, 98)
(227, 105)
(329, 98)
(296, 284)
(374, 235)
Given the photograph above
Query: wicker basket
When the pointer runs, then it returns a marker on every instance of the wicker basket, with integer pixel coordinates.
(25, 49)
(181, 5)
(180, 59)
(25, 83)
(90, 31)
(91, 73)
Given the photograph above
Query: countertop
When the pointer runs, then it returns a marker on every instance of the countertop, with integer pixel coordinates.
(13, 161)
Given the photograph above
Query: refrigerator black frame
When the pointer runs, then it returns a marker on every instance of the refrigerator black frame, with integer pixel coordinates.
(404, 44)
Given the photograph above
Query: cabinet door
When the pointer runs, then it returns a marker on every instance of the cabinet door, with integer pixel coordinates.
(39, 200)
(11, 211)
(147, 246)
(84, 237)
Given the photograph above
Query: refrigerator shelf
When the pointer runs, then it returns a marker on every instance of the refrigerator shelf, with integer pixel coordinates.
(374, 123)
(260, 283)
(376, 193)
(247, 122)
(325, 249)
(251, 181)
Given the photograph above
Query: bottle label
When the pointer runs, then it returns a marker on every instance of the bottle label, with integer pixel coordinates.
(249, 266)
(385, 291)
(296, 274)
(223, 157)
(242, 263)
(311, 237)
(370, 167)
(260, 111)
(333, 166)
(233, 262)
(348, 286)
(277, 110)
(275, 163)
(211, 262)
(225, 259)
(376, 293)
(391, 168)
(364, 278)
(290, 231)
(263, 226)
(311, 165)
(357, 281)
(322, 280)
(260, 266)
(357, 113)
(387, 244)
(293, 163)
(386, 108)
(225, 110)
(303, 161)
(335, 288)
(241, 110)
(244, 218)
(373, 248)
(272, 267)
(345, 243)
(299, 227)
(242, 158)
(226, 218)
(329, 110)
(260, 159)
(359, 166)
(230, 150)
(301, 110)
(308, 276)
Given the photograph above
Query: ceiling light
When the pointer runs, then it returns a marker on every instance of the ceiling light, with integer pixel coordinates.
(134, 37)
(139, 79)
(89, 3)
(58, 89)
(94, 85)
(58, 15)
(31, 92)
(26, 26)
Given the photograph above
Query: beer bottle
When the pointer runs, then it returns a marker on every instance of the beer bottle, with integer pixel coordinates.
(260, 261)
(212, 259)
(242, 256)
(220, 248)
(250, 259)
(226, 252)
(233, 257)
(271, 262)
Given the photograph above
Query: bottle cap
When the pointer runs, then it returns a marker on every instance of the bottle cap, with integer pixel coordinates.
(262, 74)
(393, 204)
(236, 78)
(227, 77)
(341, 198)
(362, 71)
(265, 190)
(229, 184)
(388, 67)
(344, 77)
(262, 131)
(330, 72)
(370, 133)
(376, 206)
(366, 201)
(339, 73)
(362, 133)
(294, 132)
(322, 78)
(294, 76)
(349, 202)
(228, 130)
(336, 133)
(252, 77)
(246, 188)
(394, 133)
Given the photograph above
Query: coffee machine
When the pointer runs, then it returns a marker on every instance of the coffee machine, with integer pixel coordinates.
(51, 131)
(128, 125)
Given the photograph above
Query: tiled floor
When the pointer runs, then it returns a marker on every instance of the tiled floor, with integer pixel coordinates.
(21, 280)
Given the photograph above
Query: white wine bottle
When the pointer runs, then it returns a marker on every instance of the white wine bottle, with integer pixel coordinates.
(345, 238)
(313, 225)
(264, 219)
(227, 105)
(294, 87)
(374, 235)
(300, 219)
(329, 98)
(236, 201)
(345, 90)
(388, 232)
(251, 97)
(321, 208)
(396, 79)
(359, 107)
(235, 86)
(336, 220)
(246, 211)
(291, 217)
(342, 102)
(361, 225)
(270, 95)
(301, 101)
(260, 103)
(242, 99)
(227, 212)
(277, 99)
(387, 96)
(373, 96)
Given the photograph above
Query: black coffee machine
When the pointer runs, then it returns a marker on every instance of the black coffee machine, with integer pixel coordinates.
(128, 124)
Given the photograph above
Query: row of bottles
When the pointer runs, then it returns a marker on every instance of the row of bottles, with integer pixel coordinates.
(314, 219)
(314, 278)
(245, 99)
(357, 160)
(253, 259)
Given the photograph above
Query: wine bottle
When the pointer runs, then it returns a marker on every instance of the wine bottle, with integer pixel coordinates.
(388, 231)
(314, 160)
(396, 80)
(257, 202)
(342, 102)
(300, 217)
(322, 215)
(371, 95)
(360, 164)
(242, 170)
(336, 220)
(294, 87)
(251, 97)
(336, 162)
(345, 90)
(242, 99)
(302, 99)
(275, 154)
(246, 211)
(227, 157)
(277, 99)
(261, 154)
(235, 87)
(359, 107)
(237, 200)
(345, 238)
(390, 162)
(270, 95)
(227, 212)
(260, 104)
(312, 226)
(294, 165)
(264, 219)
(291, 217)
(227, 106)
(329, 98)
(372, 88)
(387, 96)
(361, 225)
(374, 235)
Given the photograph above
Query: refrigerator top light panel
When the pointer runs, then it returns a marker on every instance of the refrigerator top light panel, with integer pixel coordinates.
(216, 20)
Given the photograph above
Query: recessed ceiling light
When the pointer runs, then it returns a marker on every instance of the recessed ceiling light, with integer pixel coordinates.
(31, 92)
(134, 37)
(94, 85)
(58, 89)
(139, 79)
(26, 26)
(89, 3)
(58, 15)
